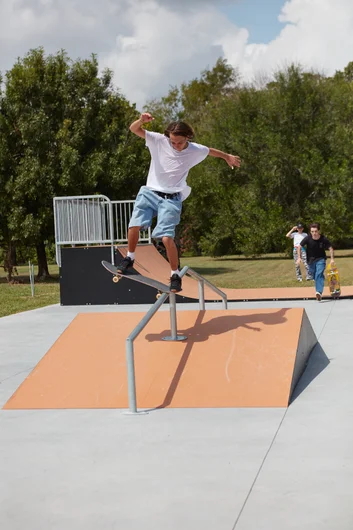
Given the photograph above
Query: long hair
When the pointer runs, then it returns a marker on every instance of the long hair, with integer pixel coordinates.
(180, 128)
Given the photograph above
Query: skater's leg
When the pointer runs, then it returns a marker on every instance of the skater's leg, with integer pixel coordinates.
(172, 252)
(133, 237)
(169, 212)
(145, 209)
(173, 258)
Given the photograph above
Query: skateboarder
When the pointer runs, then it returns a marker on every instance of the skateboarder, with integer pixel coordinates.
(316, 244)
(297, 234)
(173, 154)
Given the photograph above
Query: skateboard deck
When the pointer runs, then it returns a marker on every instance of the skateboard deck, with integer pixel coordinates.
(333, 280)
(136, 277)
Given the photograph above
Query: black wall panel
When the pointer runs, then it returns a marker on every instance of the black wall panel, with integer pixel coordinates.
(84, 281)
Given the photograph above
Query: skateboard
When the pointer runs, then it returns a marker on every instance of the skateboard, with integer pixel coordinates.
(136, 277)
(333, 280)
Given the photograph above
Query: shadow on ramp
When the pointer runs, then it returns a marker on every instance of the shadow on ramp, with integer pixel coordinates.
(317, 363)
(255, 355)
(201, 332)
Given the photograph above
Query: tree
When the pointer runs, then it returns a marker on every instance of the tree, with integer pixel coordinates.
(8, 138)
(68, 136)
(64, 131)
(294, 137)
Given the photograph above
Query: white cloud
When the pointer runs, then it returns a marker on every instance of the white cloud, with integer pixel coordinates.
(153, 44)
(149, 44)
(164, 47)
(81, 27)
(317, 34)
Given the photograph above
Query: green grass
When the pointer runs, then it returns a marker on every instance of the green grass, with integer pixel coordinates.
(234, 272)
(17, 297)
(274, 270)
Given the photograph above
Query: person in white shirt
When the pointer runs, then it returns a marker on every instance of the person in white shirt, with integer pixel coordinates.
(297, 234)
(173, 154)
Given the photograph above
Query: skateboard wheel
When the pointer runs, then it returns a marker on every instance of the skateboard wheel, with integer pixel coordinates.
(158, 295)
(116, 279)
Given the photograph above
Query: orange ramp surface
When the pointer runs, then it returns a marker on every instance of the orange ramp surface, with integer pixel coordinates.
(234, 358)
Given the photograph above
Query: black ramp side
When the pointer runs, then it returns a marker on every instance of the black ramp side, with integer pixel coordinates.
(84, 280)
(306, 343)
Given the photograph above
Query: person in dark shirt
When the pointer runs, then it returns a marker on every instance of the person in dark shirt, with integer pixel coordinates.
(316, 244)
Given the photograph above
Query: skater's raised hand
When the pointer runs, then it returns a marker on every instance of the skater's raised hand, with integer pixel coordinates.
(146, 117)
(137, 128)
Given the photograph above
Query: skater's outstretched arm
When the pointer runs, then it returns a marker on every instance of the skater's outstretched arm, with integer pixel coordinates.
(136, 126)
(231, 160)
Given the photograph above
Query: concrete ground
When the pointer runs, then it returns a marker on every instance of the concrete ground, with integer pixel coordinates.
(172, 469)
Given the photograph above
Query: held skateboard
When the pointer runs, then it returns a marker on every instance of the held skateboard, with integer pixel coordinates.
(333, 280)
(136, 277)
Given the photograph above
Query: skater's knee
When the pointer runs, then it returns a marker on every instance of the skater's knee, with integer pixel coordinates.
(168, 241)
(134, 229)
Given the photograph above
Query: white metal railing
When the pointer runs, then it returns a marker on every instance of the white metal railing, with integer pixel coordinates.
(122, 211)
(90, 220)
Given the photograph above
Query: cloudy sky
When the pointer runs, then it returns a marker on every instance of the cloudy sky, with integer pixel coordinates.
(153, 44)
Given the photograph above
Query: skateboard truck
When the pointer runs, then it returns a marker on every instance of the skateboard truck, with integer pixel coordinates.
(118, 275)
(117, 279)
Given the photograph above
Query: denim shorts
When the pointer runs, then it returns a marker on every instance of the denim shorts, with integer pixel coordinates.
(149, 205)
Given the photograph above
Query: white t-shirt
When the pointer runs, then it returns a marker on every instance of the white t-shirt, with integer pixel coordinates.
(298, 238)
(169, 168)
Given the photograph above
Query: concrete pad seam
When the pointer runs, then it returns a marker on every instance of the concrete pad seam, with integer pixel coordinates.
(328, 316)
(17, 373)
(259, 471)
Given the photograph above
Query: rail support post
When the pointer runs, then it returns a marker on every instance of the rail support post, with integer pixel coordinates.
(173, 320)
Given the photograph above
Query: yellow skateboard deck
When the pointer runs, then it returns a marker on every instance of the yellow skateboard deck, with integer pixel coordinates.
(333, 280)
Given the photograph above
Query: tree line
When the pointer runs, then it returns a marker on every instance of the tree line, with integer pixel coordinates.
(64, 131)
